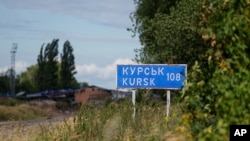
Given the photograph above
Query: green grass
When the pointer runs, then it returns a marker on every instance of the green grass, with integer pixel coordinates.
(22, 112)
(115, 122)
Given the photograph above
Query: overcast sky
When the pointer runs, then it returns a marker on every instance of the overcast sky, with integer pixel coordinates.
(95, 28)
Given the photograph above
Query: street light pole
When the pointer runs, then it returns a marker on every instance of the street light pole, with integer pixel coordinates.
(12, 69)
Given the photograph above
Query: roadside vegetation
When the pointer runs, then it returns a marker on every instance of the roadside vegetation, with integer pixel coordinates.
(112, 121)
(213, 38)
(14, 110)
(115, 122)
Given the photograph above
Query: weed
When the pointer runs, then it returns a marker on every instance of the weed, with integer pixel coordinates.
(115, 122)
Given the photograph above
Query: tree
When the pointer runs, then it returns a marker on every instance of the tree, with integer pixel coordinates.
(41, 75)
(47, 76)
(212, 37)
(67, 70)
(168, 31)
(4, 83)
(215, 100)
(26, 81)
(51, 52)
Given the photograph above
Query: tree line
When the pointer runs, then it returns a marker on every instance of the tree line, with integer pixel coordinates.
(53, 71)
(213, 38)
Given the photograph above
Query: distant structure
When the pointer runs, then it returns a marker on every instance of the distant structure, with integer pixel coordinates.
(12, 69)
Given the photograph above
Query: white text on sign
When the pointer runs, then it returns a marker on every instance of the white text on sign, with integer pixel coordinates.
(151, 76)
(138, 81)
(141, 70)
(173, 76)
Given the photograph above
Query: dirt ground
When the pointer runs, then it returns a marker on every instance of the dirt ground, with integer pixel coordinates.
(28, 130)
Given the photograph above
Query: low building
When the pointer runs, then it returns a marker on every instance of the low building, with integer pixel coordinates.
(92, 94)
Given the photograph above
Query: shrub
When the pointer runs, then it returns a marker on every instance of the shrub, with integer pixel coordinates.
(9, 102)
(62, 105)
(218, 94)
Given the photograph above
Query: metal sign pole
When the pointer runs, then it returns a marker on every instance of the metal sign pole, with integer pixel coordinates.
(168, 102)
(133, 101)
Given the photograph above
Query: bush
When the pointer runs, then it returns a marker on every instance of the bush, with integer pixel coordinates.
(218, 94)
(9, 102)
(62, 105)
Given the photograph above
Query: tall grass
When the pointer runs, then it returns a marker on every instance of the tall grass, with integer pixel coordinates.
(21, 112)
(115, 122)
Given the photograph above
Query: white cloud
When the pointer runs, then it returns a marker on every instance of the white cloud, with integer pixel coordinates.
(87, 69)
(109, 71)
(100, 75)
(20, 66)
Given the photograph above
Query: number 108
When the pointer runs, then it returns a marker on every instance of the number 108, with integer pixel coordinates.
(173, 76)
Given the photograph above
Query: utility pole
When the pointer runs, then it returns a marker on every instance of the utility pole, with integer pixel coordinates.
(12, 69)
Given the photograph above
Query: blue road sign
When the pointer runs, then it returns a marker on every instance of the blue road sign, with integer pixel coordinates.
(158, 76)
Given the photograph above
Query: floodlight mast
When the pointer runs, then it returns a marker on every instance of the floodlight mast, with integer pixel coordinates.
(12, 69)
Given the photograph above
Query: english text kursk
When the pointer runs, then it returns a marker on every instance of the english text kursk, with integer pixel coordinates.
(138, 81)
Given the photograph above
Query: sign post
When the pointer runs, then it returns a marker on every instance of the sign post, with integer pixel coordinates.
(168, 102)
(133, 101)
(152, 76)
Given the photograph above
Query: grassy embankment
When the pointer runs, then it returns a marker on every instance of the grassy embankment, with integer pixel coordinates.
(111, 122)
(115, 122)
(14, 110)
